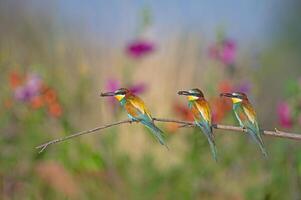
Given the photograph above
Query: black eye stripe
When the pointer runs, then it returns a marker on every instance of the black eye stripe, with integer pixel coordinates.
(120, 92)
(196, 94)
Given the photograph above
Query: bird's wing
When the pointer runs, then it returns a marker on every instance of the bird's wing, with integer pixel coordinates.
(202, 113)
(203, 109)
(136, 107)
(247, 117)
(249, 111)
(252, 124)
(251, 114)
(202, 116)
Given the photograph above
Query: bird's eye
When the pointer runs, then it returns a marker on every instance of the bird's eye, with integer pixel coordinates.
(121, 92)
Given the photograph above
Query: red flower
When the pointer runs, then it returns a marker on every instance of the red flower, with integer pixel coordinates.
(31, 90)
(55, 110)
(37, 102)
(49, 96)
(183, 111)
(15, 79)
(220, 107)
(225, 86)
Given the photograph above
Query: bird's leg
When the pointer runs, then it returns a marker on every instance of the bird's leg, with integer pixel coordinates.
(213, 126)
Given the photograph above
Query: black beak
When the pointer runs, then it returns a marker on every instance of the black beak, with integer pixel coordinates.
(107, 94)
(226, 95)
(183, 93)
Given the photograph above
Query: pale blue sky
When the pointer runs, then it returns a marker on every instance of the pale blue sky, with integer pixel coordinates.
(244, 20)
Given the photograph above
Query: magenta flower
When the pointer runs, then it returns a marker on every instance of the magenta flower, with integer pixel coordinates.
(30, 89)
(113, 84)
(139, 48)
(228, 53)
(224, 52)
(284, 115)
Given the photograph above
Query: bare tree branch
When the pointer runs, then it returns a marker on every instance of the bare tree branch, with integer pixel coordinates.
(276, 133)
(45, 145)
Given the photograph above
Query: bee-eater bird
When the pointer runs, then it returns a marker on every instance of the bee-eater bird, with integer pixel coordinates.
(202, 115)
(246, 117)
(136, 110)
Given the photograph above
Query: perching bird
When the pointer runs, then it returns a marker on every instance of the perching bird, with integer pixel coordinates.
(202, 115)
(136, 110)
(246, 116)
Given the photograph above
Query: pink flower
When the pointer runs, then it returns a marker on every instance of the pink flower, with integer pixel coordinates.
(112, 85)
(29, 89)
(138, 88)
(224, 52)
(139, 48)
(284, 115)
(228, 53)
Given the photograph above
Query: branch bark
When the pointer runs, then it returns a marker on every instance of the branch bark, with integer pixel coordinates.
(275, 133)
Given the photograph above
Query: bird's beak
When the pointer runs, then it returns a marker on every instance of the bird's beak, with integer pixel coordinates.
(107, 94)
(226, 95)
(183, 93)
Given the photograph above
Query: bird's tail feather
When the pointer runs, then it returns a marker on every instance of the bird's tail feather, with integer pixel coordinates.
(259, 141)
(207, 130)
(213, 148)
(158, 133)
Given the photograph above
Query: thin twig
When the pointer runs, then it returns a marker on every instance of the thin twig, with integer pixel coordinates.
(276, 133)
(173, 121)
(45, 145)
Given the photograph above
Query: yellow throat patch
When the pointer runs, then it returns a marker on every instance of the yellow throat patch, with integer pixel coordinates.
(236, 100)
(192, 98)
(119, 97)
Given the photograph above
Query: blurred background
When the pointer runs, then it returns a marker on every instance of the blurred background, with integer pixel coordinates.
(57, 56)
